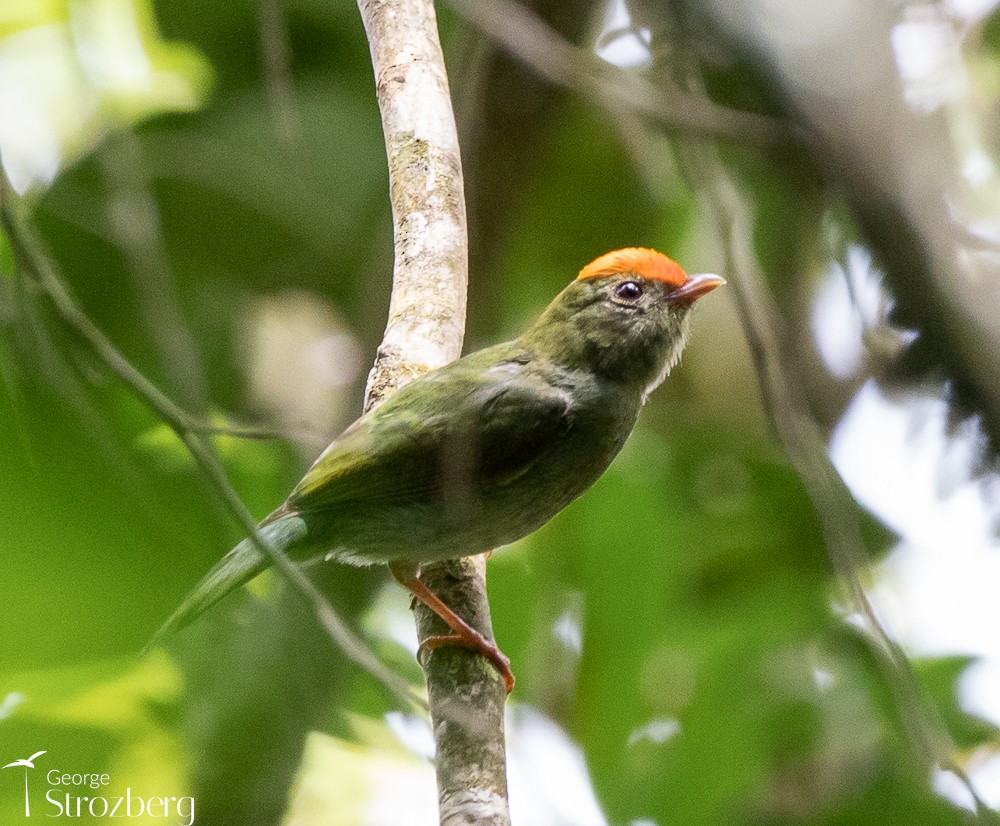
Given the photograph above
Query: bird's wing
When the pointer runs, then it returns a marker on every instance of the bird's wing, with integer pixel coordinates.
(518, 425)
(476, 422)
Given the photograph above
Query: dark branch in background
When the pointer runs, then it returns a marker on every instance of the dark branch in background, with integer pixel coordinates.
(425, 330)
(529, 38)
(32, 259)
(803, 443)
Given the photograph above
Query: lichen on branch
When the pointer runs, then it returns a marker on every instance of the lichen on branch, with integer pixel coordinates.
(427, 310)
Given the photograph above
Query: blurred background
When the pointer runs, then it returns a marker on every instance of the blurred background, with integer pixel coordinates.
(690, 638)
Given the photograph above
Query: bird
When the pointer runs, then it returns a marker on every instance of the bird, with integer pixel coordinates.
(481, 452)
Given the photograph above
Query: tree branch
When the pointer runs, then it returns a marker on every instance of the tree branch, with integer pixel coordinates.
(526, 36)
(424, 331)
(427, 310)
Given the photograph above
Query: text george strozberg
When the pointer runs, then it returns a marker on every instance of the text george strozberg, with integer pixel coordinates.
(65, 799)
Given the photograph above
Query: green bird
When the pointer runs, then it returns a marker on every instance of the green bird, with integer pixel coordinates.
(481, 452)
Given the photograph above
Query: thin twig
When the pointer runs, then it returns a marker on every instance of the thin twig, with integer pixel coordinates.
(425, 330)
(133, 218)
(526, 36)
(31, 256)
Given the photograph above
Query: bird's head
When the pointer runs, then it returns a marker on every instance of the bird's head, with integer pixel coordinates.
(625, 316)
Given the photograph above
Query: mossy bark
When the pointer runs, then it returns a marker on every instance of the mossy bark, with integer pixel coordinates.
(425, 330)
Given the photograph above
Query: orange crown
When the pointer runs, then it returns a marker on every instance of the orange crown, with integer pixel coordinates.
(643, 262)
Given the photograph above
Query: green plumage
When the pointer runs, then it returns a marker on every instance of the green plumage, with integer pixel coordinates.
(481, 452)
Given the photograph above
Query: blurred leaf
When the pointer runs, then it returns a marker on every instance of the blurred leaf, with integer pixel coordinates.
(362, 773)
(940, 677)
(81, 70)
(112, 717)
(675, 621)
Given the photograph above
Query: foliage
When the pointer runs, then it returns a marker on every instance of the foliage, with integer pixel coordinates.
(676, 621)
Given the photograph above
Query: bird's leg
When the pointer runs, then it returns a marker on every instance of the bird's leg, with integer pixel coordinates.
(465, 635)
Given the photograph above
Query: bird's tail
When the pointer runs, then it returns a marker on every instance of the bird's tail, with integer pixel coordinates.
(237, 567)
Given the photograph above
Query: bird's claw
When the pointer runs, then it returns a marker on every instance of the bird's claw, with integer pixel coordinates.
(478, 644)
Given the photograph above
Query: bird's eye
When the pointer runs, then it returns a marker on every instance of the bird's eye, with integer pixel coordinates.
(628, 291)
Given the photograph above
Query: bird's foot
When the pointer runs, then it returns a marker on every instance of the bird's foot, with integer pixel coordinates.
(465, 635)
(475, 642)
